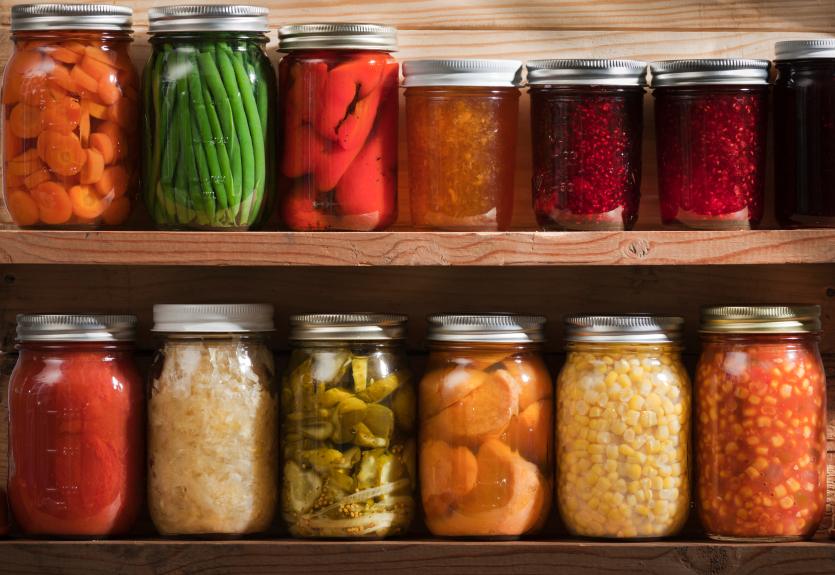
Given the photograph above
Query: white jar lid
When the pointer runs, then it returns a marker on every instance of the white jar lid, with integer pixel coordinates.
(463, 72)
(213, 318)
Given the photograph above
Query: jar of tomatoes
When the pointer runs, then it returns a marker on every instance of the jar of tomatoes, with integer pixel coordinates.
(486, 426)
(338, 103)
(761, 423)
(586, 127)
(711, 121)
(804, 130)
(76, 426)
(461, 122)
(70, 113)
(623, 427)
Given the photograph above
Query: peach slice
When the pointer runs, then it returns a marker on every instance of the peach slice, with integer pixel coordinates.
(446, 474)
(529, 433)
(441, 388)
(532, 377)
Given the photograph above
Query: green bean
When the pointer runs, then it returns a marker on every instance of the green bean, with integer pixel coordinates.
(227, 73)
(171, 148)
(153, 135)
(263, 86)
(222, 154)
(251, 109)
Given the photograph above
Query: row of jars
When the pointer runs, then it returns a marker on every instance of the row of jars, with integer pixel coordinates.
(353, 447)
(210, 123)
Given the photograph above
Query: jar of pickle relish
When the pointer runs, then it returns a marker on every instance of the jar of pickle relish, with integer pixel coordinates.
(586, 127)
(761, 423)
(338, 115)
(461, 121)
(711, 121)
(804, 129)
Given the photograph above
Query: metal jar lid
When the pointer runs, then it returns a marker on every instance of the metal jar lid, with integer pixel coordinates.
(627, 328)
(104, 17)
(213, 318)
(337, 36)
(464, 72)
(208, 18)
(803, 318)
(587, 72)
(805, 49)
(486, 328)
(347, 327)
(75, 327)
(709, 71)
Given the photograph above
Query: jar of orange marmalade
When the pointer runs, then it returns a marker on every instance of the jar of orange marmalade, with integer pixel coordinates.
(70, 113)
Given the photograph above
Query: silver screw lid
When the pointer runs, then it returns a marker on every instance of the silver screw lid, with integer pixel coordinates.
(104, 17)
(347, 327)
(463, 72)
(805, 49)
(486, 328)
(213, 318)
(734, 71)
(587, 72)
(627, 328)
(208, 18)
(75, 327)
(796, 318)
(337, 36)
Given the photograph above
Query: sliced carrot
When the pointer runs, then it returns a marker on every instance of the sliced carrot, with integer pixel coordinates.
(97, 69)
(93, 167)
(13, 181)
(60, 76)
(99, 55)
(117, 212)
(113, 181)
(97, 110)
(22, 207)
(117, 137)
(84, 128)
(109, 91)
(85, 202)
(54, 203)
(37, 91)
(125, 113)
(24, 164)
(84, 81)
(12, 145)
(76, 47)
(36, 178)
(61, 115)
(64, 55)
(104, 145)
(20, 66)
(25, 121)
(62, 152)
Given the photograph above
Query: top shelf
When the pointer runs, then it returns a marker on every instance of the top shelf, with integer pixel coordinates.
(410, 248)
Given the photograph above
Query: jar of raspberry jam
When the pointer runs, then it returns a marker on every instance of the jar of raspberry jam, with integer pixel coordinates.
(586, 126)
(804, 129)
(711, 120)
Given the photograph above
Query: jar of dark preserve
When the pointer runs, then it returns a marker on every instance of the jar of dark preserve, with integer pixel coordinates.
(76, 426)
(711, 120)
(338, 120)
(586, 127)
(804, 129)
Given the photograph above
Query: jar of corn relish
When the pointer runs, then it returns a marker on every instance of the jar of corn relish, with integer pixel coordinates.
(804, 129)
(623, 427)
(586, 126)
(761, 423)
(711, 120)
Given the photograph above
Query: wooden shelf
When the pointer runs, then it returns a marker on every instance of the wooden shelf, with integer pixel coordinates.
(409, 248)
(415, 557)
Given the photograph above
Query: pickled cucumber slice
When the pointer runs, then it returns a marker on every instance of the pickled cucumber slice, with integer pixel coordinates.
(301, 488)
(359, 369)
(380, 389)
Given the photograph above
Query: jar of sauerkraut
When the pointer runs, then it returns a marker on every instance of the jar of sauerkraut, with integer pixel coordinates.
(212, 421)
(623, 427)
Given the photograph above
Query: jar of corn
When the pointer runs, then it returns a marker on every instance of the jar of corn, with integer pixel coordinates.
(623, 427)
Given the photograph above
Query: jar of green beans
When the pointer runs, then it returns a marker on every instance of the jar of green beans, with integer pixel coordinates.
(208, 139)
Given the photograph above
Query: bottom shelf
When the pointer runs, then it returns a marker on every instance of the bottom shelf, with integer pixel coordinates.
(155, 556)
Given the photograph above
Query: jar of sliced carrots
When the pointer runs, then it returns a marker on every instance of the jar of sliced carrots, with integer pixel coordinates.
(70, 113)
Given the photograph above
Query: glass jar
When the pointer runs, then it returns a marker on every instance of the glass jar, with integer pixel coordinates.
(586, 129)
(348, 419)
(338, 114)
(804, 133)
(761, 423)
(70, 112)
(461, 120)
(76, 426)
(486, 427)
(212, 421)
(623, 427)
(711, 121)
(209, 92)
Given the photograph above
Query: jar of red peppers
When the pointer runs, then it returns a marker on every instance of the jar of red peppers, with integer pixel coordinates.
(338, 123)
(711, 120)
(761, 423)
(461, 120)
(804, 129)
(586, 127)
(70, 112)
(76, 426)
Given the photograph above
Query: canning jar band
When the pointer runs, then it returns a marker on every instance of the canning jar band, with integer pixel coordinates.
(103, 17)
(463, 72)
(488, 328)
(761, 319)
(208, 18)
(212, 318)
(587, 72)
(624, 328)
(75, 327)
(822, 48)
(709, 72)
(337, 36)
(359, 327)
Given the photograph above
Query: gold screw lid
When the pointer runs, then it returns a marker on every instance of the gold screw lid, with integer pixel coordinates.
(786, 318)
